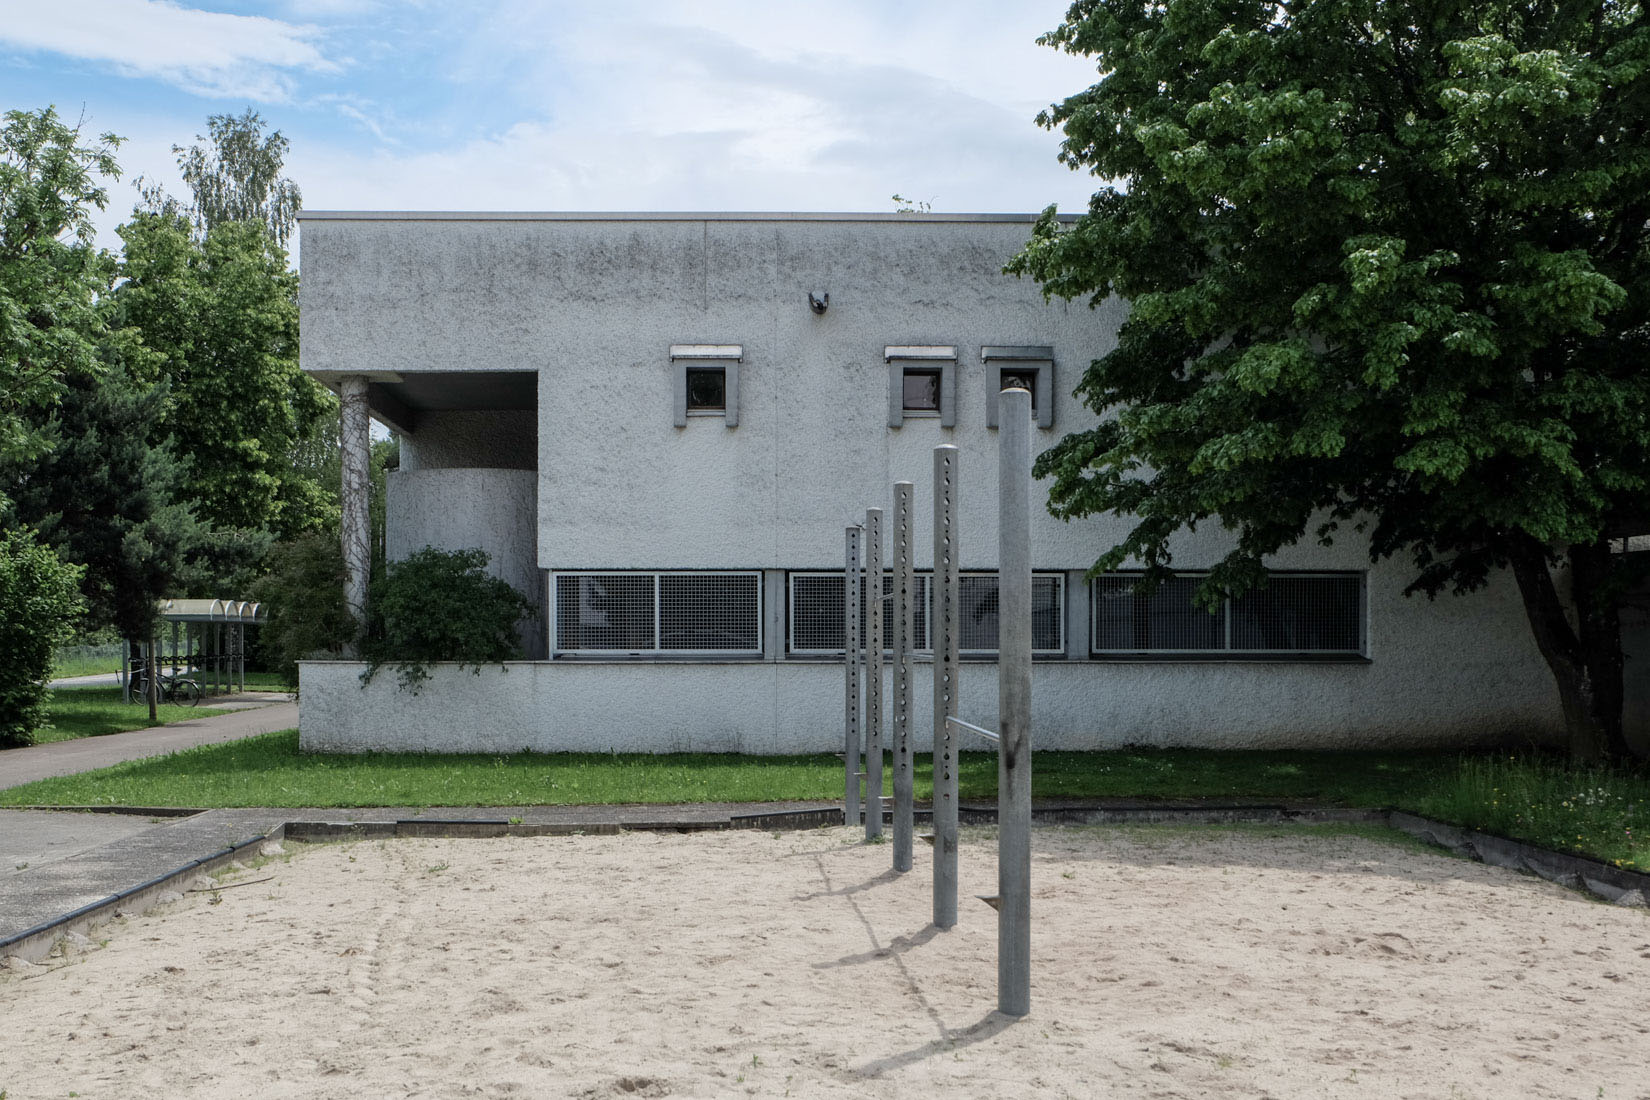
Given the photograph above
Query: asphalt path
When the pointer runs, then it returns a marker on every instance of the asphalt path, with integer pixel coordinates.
(258, 712)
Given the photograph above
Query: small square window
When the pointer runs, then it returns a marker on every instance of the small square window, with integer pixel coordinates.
(1020, 379)
(922, 383)
(1024, 367)
(921, 390)
(706, 381)
(707, 389)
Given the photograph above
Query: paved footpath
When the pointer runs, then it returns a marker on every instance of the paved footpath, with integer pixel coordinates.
(272, 711)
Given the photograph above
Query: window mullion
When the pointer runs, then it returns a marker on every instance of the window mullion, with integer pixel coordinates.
(658, 596)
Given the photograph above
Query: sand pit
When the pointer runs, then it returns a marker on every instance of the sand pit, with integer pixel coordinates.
(1167, 963)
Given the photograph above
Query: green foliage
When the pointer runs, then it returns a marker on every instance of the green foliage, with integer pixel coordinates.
(1387, 267)
(105, 495)
(304, 596)
(1602, 812)
(234, 171)
(51, 276)
(38, 605)
(220, 316)
(436, 605)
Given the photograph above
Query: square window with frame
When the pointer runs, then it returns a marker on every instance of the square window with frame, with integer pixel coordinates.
(921, 387)
(1015, 378)
(707, 389)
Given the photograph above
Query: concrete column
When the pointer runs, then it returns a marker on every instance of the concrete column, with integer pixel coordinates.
(945, 633)
(1014, 704)
(850, 666)
(356, 444)
(873, 672)
(905, 593)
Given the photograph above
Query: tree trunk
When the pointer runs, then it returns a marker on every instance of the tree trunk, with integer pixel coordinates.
(1584, 653)
(153, 684)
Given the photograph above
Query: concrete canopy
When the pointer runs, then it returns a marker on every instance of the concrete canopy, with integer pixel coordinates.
(398, 399)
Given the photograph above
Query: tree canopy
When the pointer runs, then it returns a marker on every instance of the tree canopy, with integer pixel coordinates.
(1387, 267)
(234, 174)
(51, 274)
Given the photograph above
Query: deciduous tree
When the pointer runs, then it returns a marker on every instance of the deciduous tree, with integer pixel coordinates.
(51, 275)
(1388, 267)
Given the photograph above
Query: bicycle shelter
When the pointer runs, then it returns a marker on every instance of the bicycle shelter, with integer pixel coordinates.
(208, 642)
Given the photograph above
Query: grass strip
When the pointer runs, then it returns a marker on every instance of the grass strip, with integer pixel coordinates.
(1600, 812)
(94, 711)
(97, 710)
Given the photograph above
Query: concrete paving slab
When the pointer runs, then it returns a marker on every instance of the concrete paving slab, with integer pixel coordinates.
(31, 838)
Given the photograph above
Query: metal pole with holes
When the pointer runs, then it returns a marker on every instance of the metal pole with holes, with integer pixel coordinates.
(905, 587)
(944, 630)
(1014, 703)
(874, 617)
(850, 664)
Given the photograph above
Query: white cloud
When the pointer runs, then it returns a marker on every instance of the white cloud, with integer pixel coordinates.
(206, 53)
(729, 104)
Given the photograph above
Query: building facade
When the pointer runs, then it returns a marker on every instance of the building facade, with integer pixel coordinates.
(659, 426)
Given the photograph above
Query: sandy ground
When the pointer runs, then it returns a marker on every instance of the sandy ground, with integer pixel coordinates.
(1168, 963)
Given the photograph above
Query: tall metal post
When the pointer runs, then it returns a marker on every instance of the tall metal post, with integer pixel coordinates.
(874, 618)
(850, 665)
(905, 589)
(1014, 703)
(944, 630)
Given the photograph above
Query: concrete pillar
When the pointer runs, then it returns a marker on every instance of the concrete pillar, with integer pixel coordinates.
(356, 445)
(850, 666)
(905, 594)
(1014, 704)
(874, 617)
(944, 629)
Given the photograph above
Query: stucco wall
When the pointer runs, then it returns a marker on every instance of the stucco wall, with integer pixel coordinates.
(594, 305)
(766, 707)
(470, 508)
(497, 439)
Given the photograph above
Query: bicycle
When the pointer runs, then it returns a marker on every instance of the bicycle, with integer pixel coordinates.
(177, 690)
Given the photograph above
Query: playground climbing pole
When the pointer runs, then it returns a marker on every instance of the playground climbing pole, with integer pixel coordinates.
(905, 584)
(874, 616)
(944, 631)
(850, 664)
(1014, 704)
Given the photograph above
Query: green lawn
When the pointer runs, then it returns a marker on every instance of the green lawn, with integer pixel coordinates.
(1601, 812)
(94, 711)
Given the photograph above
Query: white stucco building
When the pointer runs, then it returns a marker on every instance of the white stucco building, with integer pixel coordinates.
(653, 428)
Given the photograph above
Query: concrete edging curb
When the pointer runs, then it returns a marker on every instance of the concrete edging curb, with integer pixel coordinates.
(33, 944)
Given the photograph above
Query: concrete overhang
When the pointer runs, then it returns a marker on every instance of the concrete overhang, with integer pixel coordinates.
(397, 399)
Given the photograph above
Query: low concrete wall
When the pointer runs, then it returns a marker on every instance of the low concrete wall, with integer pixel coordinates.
(796, 707)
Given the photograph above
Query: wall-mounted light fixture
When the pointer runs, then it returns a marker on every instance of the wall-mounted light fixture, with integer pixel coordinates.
(819, 303)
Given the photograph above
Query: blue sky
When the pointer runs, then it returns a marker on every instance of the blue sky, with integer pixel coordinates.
(562, 105)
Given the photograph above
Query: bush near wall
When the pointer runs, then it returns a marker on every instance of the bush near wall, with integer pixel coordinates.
(436, 605)
(304, 597)
(39, 600)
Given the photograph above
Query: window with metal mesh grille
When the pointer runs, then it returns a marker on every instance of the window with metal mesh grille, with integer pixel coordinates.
(664, 612)
(1295, 613)
(816, 612)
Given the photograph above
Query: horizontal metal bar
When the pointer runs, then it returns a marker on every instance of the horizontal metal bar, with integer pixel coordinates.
(972, 728)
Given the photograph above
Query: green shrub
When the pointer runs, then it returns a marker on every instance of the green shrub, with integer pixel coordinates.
(39, 601)
(439, 606)
(303, 595)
